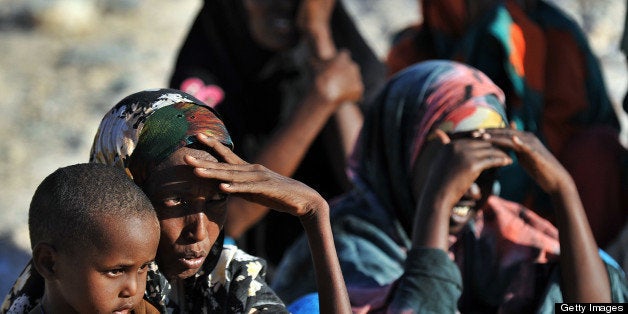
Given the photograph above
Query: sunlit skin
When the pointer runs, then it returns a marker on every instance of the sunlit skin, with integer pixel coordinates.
(106, 277)
(191, 213)
(256, 183)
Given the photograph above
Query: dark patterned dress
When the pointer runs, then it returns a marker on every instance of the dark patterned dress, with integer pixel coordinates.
(232, 282)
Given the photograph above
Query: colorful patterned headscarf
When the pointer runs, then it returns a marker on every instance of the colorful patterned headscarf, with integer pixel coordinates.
(429, 95)
(144, 128)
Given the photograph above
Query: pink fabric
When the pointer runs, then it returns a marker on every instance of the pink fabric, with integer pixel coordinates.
(212, 95)
(519, 233)
(447, 93)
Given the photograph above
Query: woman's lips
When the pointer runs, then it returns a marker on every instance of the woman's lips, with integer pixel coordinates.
(193, 260)
(462, 210)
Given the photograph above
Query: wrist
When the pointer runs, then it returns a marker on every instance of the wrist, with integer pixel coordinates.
(314, 211)
(320, 97)
(431, 222)
(321, 41)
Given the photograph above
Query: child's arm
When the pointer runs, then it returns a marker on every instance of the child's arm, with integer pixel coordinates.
(255, 183)
(584, 276)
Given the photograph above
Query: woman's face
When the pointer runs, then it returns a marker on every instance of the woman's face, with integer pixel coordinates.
(272, 23)
(191, 213)
(471, 201)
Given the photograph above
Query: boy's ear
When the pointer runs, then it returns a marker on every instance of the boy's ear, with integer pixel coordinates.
(44, 259)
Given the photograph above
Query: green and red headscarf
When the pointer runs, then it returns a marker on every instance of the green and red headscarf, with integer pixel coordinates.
(144, 128)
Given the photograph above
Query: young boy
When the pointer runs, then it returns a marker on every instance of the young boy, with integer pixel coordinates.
(93, 235)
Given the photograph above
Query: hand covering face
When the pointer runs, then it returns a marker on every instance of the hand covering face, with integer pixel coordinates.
(432, 94)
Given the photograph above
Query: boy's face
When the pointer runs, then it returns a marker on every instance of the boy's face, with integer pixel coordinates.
(109, 276)
(191, 213)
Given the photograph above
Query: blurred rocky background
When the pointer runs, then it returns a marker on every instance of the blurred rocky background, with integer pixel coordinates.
(64, 63)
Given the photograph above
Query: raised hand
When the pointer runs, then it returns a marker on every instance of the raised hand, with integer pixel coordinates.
(453, 165)
(313, 19)
(338, 79)
(583, 273)
(444, 172)
(533, 156)
(256, 183)
(314, 14)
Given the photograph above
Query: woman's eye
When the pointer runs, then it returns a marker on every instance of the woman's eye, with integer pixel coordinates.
(218, 197)
(175, 201)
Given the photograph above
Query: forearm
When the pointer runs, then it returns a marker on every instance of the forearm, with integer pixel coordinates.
(332, 291)
(321, 42)
(583, 273)
(349, 120)
(282, 154)
(285, 150)
(431, 224)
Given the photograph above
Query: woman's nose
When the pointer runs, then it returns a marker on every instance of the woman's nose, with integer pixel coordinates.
(196, 226)
(474, 192)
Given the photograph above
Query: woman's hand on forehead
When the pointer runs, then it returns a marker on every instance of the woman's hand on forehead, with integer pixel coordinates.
(255, 182)
(534, 157)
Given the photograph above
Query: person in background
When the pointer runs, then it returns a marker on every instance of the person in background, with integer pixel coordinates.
(424, 232)
(554, 88)
(288, 78)
(178, 151)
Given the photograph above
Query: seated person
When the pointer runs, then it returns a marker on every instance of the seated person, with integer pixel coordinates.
(554, 88)
(178, 151)
(94, 234)
(288, 78)
(421, 230)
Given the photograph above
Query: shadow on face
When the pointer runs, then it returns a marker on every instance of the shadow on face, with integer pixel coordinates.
(108, 274)
(272, 23)
(191, 213)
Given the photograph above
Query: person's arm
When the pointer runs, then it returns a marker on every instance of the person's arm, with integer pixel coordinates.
(314, 21)
(584, 276)
(443, 173)
(337, 85)
(258, 184)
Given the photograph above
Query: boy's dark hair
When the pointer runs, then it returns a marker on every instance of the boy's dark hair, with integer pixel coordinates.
(67, 205)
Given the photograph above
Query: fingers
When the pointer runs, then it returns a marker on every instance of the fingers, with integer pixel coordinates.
(518, 141)
(493, 158)
(444, 138)
(227, 172)
(223, 151)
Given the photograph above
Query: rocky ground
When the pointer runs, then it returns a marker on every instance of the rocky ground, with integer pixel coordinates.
(63, 63)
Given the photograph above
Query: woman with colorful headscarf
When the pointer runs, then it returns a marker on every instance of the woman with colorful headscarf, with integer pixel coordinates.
(421, 230)
(554, 88)
(287, 77)
(179, 152)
